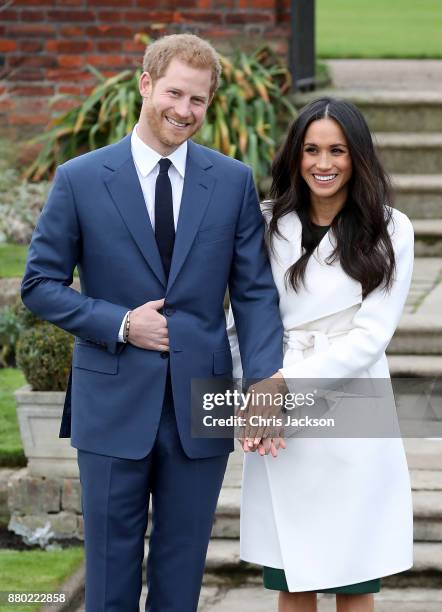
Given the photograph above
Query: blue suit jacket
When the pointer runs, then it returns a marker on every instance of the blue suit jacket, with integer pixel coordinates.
(96, 218)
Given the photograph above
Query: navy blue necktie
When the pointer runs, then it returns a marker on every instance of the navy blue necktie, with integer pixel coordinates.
(164, 225)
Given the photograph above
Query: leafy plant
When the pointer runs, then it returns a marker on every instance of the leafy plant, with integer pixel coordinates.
(243, 120)
(20, 207)
(9, 332)
(246, 115)
(105, 116)
(44, 353)
(26, 319)
(20, 201)
(42, 350)
(13, 321)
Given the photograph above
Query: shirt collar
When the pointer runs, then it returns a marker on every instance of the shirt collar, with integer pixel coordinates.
(146, 158)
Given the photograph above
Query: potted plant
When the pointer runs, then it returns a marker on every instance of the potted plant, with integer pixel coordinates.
(43, 353)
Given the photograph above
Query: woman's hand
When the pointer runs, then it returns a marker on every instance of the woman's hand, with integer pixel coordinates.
(271, 445)
(265, 419)
(265, 447)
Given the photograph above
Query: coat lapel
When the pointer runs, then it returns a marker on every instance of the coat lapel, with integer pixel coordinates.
(125, 189)
(197, 191)
(327, 289)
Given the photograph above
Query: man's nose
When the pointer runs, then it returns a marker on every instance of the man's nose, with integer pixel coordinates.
(182, 108)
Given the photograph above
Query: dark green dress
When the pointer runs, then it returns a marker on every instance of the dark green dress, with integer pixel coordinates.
(275, 578)
(319, 232)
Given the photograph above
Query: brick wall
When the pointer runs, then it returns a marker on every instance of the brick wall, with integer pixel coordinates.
(46, 44)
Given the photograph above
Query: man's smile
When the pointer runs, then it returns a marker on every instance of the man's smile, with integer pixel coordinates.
(176, 123)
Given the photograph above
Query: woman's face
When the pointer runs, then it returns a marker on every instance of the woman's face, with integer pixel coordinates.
(326, 163)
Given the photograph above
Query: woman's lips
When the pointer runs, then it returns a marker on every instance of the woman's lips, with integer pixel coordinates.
(325, 180)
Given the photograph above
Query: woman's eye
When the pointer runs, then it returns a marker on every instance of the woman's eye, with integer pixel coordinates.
(337, 151)
(310, 150)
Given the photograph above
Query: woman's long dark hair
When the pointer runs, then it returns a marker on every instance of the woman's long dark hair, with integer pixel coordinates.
(363, 244)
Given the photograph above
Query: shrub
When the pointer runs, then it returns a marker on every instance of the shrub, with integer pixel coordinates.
(13, 320)
(9, 333)
(25, 317)
(21, 202)
(44, 353)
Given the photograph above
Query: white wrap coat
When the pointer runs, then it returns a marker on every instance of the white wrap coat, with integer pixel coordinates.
(331, 511)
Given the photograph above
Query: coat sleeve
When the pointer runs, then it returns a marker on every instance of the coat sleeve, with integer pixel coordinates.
(53, 255)
(234, 345)
(373, 325)
(253, 295)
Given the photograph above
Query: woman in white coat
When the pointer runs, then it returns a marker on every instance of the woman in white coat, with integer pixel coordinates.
(331, 514)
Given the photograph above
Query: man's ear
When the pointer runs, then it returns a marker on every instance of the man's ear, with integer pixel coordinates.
(145, 84)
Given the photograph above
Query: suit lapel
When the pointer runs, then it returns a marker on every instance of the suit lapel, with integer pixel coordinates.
(125, 190)
(197, 191)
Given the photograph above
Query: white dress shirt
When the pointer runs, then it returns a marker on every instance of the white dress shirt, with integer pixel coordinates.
(146, 162)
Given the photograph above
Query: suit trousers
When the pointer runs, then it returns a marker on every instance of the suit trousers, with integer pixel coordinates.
(116, 494)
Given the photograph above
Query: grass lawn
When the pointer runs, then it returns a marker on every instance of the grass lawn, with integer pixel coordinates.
(34, 571)
(12, 260)
(11, 451)
(379, 28)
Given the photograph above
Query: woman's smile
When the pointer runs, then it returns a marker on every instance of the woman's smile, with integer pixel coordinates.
(325, 180)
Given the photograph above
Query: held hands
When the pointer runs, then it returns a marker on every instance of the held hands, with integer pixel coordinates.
(270, 445)
(264, 432)
(148, 328)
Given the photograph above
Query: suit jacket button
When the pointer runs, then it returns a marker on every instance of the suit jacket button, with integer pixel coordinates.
(169, 311)
(164, 354)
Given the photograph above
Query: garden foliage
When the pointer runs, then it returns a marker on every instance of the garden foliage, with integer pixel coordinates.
(20, 200)
(44, 354)
(244, 121)
(13, 320)
(42, 351)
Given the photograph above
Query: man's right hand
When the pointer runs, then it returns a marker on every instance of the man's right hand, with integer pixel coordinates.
(148, 328)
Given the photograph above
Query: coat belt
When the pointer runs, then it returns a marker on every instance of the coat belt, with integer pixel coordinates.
(302, 339)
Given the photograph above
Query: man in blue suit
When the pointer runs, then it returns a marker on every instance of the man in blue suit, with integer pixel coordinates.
(158, 227)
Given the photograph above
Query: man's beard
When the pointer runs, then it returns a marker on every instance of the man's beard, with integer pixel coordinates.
(165, 136)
